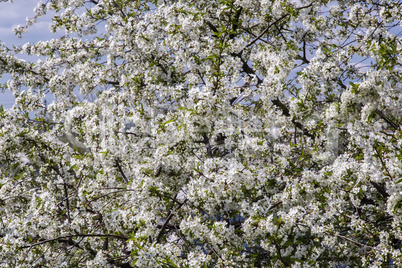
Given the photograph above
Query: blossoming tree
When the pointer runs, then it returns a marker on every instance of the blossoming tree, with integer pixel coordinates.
(223, 133)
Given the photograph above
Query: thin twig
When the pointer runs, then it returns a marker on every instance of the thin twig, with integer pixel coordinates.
(61, 238)
(170, 215)
(121, 170)
(272, 24)
(389, 121)
(67, 202)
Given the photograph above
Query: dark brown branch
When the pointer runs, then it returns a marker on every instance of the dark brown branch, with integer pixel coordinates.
(63, 238)
(304, 57)
(112, 82)
(121, 170)
(389, 121)
(115, 192)
(278, 250)
(380, 189)
(272, 24)
(249, 70)
(352, 241)
(249, 32)
(280, 33)
(110, 260)
(286, 112)
(378, 112)
(64, 185)
(134, 134)
(106, 244)
(67, 202)
(235, 25)
(214, 251)
(212, 27)
(275, 205)
(208, 146)
(177, 231)
(120, 9)
(276, 102)
(170, 215)
(266, 29)
(384, 166)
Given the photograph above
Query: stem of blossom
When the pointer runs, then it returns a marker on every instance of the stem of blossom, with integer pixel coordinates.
(65, 188)
(275, 205)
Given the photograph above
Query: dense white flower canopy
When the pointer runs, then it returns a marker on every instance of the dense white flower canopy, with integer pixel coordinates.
(212, 133)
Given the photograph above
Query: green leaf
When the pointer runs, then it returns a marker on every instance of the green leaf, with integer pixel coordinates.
(105, 152)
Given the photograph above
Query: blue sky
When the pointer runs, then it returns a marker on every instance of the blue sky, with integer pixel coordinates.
(11, 15)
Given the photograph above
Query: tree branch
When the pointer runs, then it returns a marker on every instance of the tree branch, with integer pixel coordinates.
(67, 202)
(170, 215)
(274, 23)
(266, 29)
(389, 121)
(235, 25)
(286, 112)
(63, 238)
(121, 170)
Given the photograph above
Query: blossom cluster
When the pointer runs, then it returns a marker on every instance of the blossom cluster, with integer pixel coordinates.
(199, 133)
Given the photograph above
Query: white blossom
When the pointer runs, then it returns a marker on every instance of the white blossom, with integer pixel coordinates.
(204, 133)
